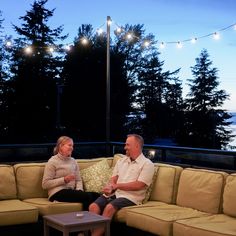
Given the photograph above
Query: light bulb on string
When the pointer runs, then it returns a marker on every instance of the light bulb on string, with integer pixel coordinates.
(8, 43)
(179, 45)
(51, 49)
(216, 36)
(146, 43)
(193, 40)
(84, 41)
(28, 50)
(118, 30)
(68, 48)
(100, 31)
(129, 36)
(162, 45)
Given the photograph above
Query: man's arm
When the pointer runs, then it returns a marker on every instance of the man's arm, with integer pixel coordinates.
(131, 186)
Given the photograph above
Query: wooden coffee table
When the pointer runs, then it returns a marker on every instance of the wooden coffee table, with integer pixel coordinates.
(76, 222)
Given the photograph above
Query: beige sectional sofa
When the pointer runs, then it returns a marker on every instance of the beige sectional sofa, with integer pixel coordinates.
(180, 202)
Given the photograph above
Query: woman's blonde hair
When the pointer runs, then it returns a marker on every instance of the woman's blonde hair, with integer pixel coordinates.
(62, 140)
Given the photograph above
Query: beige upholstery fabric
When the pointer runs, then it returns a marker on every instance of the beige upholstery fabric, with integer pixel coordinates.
(17, 212)
(159, 219)
(229, 197)
(47, 208)
(7, 182)
(166, 184)
(201, 189)
(29, 180)
(216, 225)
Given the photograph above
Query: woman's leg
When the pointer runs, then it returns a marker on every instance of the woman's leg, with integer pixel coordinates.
(72, 195)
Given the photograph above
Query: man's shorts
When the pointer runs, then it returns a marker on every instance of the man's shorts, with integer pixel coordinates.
(117, 203)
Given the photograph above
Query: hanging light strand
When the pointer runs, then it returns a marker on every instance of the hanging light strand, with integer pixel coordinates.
(130, 36)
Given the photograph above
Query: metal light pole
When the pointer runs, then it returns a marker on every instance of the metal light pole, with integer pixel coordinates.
(108, 84)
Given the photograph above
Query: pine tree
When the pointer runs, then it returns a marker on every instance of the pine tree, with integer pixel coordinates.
(85, 83)
(160, 98)
(207, 124)
(5, 89)
(35, 73)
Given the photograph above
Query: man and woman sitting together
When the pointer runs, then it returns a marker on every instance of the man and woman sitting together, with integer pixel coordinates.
(127, 187)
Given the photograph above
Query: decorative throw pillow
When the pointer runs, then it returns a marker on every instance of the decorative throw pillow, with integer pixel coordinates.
(96, 176)
(150, 187)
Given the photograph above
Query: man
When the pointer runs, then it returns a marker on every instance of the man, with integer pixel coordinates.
(130, 179)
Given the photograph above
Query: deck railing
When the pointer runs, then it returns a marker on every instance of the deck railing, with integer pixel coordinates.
(185, 156)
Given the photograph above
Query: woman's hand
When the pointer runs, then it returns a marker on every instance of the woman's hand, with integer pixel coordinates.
(69, 178)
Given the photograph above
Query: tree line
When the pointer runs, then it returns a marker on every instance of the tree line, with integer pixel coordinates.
(46, 94)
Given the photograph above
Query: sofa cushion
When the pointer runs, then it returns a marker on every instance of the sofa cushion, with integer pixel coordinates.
(7, 182)
(46, 207)
(15, 212)
(229, 197)
(117, 157)
(215, 225)
(201, 189)
(166, 184)
(85, 163)
(96, 176)
(29, 180)
(159, 220)
(150, 187)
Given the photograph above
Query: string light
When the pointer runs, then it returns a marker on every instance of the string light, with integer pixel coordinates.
(146, 43)
(68, 48)
(179, 45)
(100, 31)
(193, 40)
(84, 41)
(162, 45)
(8, 43)
(28, 50)
(129, 36)
(216, 36)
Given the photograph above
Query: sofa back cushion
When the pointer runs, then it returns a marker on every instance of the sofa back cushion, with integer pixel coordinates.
(7, 182)
(29, 180)
(166, 184)
(201, 189)
(229, 196)
(85, 163)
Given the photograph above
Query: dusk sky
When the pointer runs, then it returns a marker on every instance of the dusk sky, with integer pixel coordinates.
(168, 20)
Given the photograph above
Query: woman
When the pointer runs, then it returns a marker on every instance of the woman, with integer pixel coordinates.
(62, 177)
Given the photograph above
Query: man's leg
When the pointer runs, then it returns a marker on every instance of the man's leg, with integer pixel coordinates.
(109, 211)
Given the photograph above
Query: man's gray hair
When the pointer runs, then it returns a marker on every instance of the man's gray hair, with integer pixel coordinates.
(138, 138)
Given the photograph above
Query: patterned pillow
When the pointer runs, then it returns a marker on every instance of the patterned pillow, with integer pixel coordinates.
(150, 187)
(96, 176)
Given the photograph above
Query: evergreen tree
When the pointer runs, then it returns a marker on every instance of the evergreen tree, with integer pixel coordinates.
(207, 124)
(85, 76)
(35, 73)
(2, 81)
(85, 82)
(5, 89)
(159, 96)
